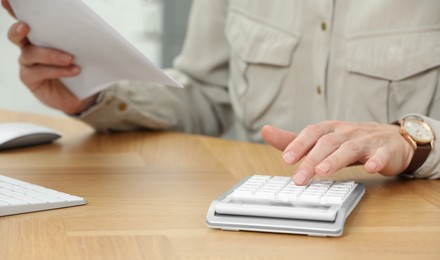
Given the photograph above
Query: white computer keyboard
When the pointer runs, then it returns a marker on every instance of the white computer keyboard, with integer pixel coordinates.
(21, 197)
(277, 204)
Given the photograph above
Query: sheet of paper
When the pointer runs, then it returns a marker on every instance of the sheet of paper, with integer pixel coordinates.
(105, 57)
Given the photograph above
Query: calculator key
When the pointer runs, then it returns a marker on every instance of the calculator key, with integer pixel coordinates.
(265, 194)
(310, 197)
(243, 193)
(333, 198)
(262, 178)
(286, 196)
(347, 184)
(280, 180)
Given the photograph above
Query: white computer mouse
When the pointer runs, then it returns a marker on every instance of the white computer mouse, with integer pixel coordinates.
(16, 135)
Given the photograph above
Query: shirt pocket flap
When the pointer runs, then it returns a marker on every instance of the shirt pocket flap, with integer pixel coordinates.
(256, 42)
(394, 56)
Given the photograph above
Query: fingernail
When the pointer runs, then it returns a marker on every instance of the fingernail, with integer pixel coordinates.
(300, 177)
(19, 28)
(372, 166)
(289, 157)
(65, 58)
(325, 167)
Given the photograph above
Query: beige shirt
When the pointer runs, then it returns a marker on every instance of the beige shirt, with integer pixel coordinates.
(247, 63)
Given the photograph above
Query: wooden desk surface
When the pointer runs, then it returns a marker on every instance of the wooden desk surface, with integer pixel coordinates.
(148, 194)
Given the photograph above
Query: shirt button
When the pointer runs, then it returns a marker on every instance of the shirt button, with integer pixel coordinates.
(122, 107)
(323, 26)
(319, 89)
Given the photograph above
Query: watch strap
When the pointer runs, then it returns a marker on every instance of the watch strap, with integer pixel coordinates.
(420, 155)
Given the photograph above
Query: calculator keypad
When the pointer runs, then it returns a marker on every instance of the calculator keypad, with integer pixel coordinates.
(284, 189)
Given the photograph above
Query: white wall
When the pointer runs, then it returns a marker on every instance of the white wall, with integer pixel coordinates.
(137, 20)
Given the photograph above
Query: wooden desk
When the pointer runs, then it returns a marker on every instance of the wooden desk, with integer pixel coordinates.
(148, 194)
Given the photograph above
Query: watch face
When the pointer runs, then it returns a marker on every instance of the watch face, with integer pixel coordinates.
(418, 130)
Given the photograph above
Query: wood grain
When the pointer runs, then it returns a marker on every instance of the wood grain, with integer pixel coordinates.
(148, 194)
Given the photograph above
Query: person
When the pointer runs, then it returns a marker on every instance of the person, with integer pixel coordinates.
(321, 81)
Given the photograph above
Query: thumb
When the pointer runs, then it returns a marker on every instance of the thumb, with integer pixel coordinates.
(276, 137)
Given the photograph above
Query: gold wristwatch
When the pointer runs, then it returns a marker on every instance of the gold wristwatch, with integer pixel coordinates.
(420, 135)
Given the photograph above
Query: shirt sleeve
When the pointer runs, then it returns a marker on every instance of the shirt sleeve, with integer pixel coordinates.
(202, 106)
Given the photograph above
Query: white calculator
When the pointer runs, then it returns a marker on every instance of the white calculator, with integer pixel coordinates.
(276, 204)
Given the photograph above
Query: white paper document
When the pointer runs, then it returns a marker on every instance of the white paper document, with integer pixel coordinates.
(105, 57)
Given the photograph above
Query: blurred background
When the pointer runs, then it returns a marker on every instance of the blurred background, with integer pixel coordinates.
(156, 27)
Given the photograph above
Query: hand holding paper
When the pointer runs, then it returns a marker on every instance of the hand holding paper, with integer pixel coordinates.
(104, 56)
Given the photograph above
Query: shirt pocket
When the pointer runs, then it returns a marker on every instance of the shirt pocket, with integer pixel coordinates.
(260, 57)
(395, 70)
